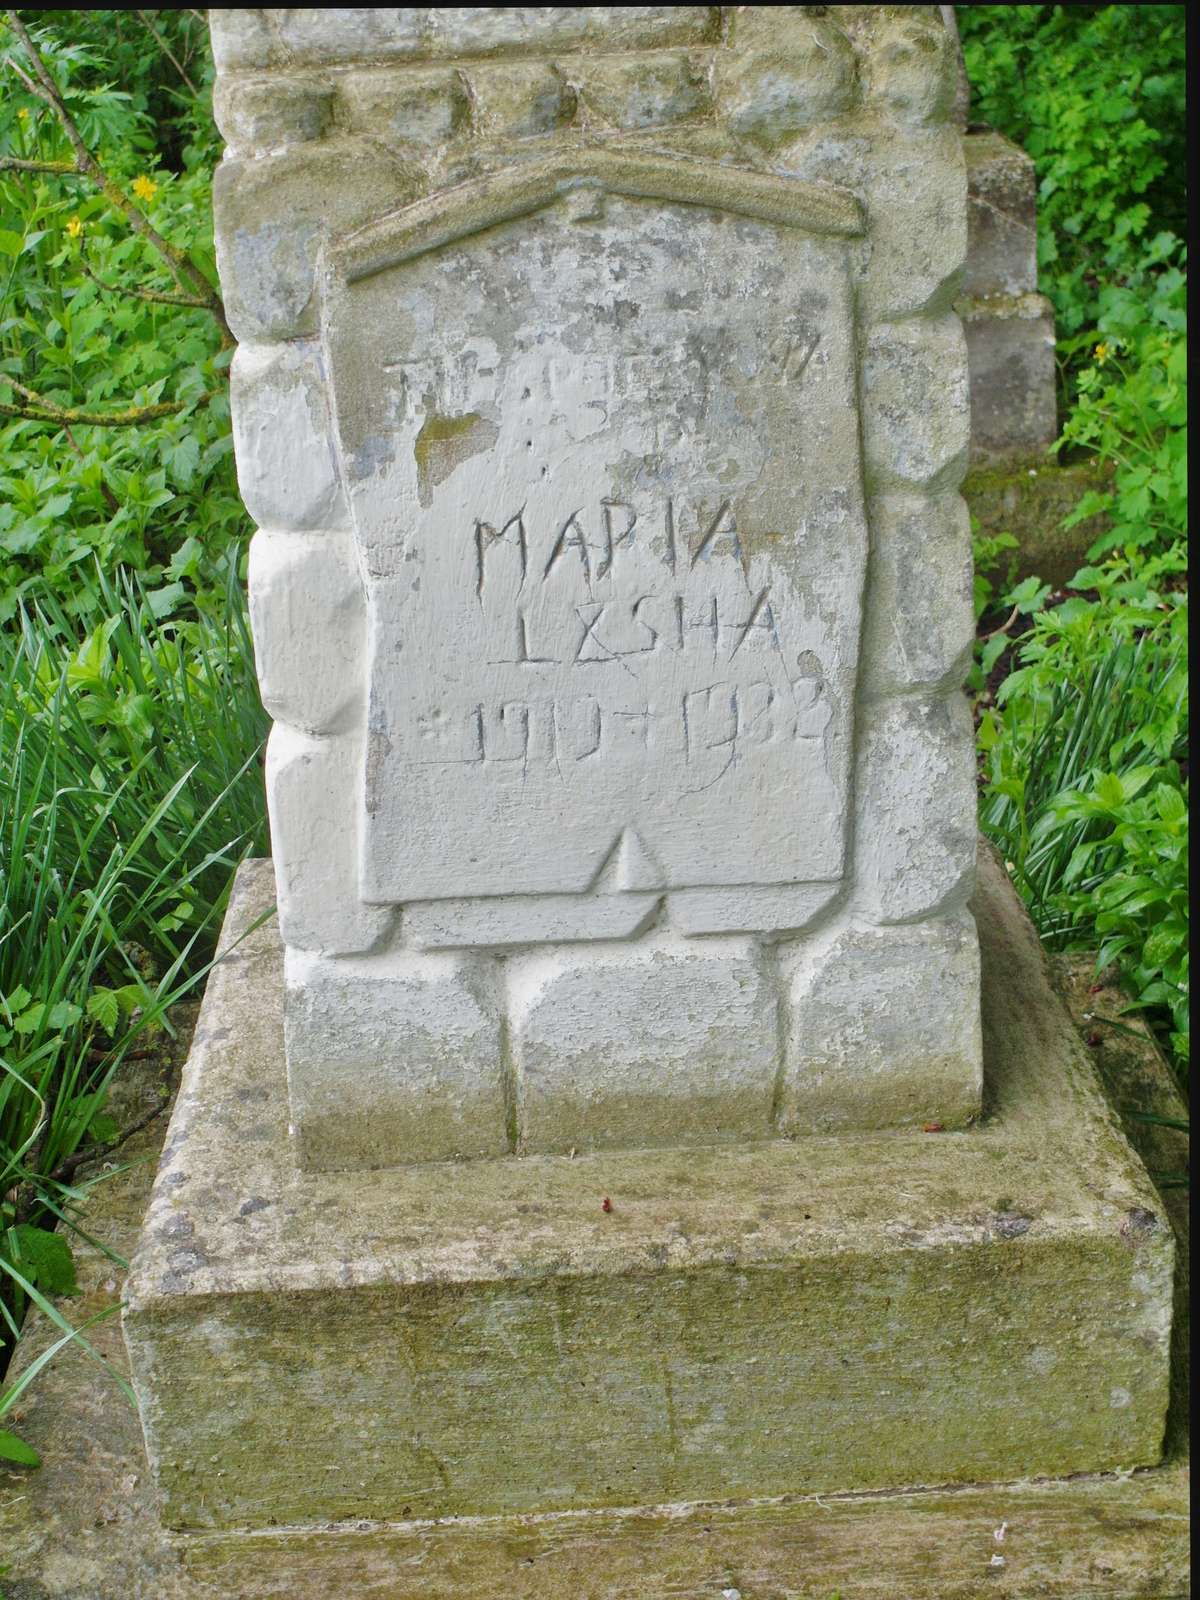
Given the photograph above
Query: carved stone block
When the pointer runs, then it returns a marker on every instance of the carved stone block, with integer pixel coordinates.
(417, 1036)
(877, 1035)
(674, 1042)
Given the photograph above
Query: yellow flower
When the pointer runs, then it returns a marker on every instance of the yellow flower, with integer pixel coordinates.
(145, 188)
(1101, 353)
(74, 227)
(23, 113)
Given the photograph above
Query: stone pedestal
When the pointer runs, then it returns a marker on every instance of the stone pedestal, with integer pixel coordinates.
(643, 1328)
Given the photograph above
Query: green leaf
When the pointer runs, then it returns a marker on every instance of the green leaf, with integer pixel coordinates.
(46, 1258)
(1172, 807)
(16, 1450)
(1110, 790)
(104, 1007)
(64, 1014)
(11, 243)
(17, 1000)
(103, 1128)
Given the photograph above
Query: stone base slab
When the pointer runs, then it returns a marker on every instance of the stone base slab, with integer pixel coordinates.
(841, 1314)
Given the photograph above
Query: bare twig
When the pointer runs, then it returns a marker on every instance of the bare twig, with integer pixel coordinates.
(167, 51)
(158, 297)
(24, 1196)
(183, 268)
(1004, 626)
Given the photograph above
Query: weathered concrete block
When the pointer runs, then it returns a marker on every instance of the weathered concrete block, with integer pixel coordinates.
(520, 99)
(329, 36)
(672, 1041)
(784, 76)
(912, 68)
(394, 1058)
(423, 109)
(1001, 218)
(916, 767)
(259, 114)
(287, 469)
(919, 620)
(1010, 348)
(271, 214)
(1028, 497)
(308, 617)
(490, 1339)
(882, 1029)
(316, 844)
(646, 92)
(916, 424)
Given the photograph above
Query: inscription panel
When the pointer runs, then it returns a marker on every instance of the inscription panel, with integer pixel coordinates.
(603, 464)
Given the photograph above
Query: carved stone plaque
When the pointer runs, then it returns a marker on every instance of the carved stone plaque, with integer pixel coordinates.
(603, 464)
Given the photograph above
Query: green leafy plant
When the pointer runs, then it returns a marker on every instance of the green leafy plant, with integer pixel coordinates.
(114, 417)
(1083, 787)
(1097, 96)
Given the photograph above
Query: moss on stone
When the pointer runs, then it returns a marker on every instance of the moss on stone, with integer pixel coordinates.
(1029, 499)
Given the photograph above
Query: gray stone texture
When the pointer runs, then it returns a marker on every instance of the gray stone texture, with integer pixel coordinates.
(1009, 326)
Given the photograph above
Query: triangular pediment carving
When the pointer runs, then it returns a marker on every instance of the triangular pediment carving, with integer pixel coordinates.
(516, 191)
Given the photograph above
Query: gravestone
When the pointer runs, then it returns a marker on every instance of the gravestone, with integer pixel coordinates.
(599, 816)
(601, 404)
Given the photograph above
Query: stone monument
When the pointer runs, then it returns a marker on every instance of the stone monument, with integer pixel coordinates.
(602, 405)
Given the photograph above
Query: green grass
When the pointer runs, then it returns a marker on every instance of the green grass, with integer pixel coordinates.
(132, 760)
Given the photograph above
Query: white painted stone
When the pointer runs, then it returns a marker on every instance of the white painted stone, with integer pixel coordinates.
(916, 410)
(883, 1028)
(272, 213)
(287, 469)
(309, 619)
(768, 908)
(915, 823)
(601, 605)
(311, 785)
(416, 1038)
(666, 1041)
(920, 624)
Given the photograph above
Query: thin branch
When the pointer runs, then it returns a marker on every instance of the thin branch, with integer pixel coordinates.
(156, 296)
(167, 51)
(64, 169)
(66, 417)
(1003, 628)
(24, 1196)
(181, 265)
(110, 499)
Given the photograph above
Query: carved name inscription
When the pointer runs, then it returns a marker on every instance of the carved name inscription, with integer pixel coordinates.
(558, 621)
(605, 481)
